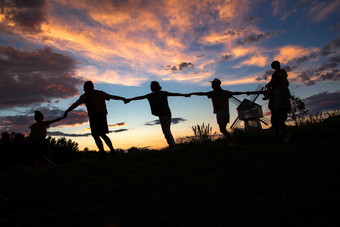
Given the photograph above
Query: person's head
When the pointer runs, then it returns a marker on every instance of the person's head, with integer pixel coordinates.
(276, 65)
(38, 116)
(88, 85)
(216, 84)
(154, 86)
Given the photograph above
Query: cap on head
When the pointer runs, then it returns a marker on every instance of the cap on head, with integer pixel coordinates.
(216, 82)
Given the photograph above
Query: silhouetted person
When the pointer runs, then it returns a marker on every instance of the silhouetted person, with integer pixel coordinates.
(158, 101)
(38, 144)
(96, 107)
(279, 80)
(220, 101)
(279, 99)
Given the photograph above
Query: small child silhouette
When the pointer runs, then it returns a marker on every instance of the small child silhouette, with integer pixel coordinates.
(158, 101)
(37, 136)
(220, 100)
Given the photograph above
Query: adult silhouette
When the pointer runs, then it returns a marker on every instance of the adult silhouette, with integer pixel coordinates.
(279, 99)
(96, 107)
(158, 101)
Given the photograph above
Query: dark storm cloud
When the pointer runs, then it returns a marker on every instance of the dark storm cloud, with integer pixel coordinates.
(323, 101)
(37, 76)
(254, 38)
(21, 122)
(26, 15)
(180, 67)
(157, 122)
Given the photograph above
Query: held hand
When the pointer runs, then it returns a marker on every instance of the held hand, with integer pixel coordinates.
(187, 95)
(126, 101)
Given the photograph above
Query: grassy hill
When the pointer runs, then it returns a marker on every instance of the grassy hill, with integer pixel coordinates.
(256, 184)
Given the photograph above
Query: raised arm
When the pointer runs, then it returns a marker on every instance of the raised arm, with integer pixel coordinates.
(56, 120)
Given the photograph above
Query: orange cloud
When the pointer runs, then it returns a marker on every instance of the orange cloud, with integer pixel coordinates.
(248, 80)
(288, 53)
(256, 60)
(141, 37)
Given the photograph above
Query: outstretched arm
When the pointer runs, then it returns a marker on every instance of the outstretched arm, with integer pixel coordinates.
(178, 94)
(199, 93)
(135, 98)
(56, 120)
(238, 93)
(72, 107)
(117, 97)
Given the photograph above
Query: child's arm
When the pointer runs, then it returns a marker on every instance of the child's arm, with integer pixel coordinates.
(238, 93)
(56, 120)
(178, 94)
(135, 98)
(199, 93)
(117, 97)
(72, 107)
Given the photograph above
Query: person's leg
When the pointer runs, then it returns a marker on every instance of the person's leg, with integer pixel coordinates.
(99, 143)
(275, 123)
(165, 124)
(223, 130)
(282, 124)
(108, 143)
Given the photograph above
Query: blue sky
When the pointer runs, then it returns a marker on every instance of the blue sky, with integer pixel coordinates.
(48, 48)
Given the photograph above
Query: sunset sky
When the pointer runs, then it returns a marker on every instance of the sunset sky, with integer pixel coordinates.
(48, 48)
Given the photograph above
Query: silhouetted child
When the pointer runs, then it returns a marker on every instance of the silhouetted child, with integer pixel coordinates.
(37, 136)
(278, 80)
(158, 101)
(220, 100)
